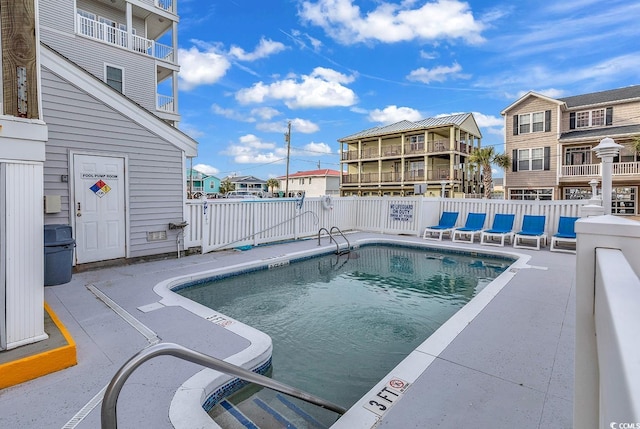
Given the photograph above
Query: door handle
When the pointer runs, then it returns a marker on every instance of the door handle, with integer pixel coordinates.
(78, 212)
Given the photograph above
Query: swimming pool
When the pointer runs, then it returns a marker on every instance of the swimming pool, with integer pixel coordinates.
(367, 310)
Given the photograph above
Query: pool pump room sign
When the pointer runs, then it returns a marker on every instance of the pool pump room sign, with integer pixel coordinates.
(402, 212)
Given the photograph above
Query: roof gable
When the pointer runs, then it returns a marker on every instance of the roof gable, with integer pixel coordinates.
(80, 78)
(527, 96)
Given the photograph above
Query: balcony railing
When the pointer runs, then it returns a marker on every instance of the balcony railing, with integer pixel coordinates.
(409, 149)
(165, 103)
(619, 169)
(100, 31)
(393, 177)
(168, 5)
(393, 150)
(369, 153)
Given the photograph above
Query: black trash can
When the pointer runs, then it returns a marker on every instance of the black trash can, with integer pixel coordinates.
(58, 254)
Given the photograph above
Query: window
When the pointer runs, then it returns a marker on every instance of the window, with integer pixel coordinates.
(532, 123)
(537, 122)
(525, 121)
(114, 77)
(577, 155)
(577, 193)
(591, 118)
(530, 159)
(531, 194)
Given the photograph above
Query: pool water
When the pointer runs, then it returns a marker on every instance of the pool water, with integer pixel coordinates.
(341, 323)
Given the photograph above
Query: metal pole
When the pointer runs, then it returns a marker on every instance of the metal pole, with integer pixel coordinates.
(287, 138)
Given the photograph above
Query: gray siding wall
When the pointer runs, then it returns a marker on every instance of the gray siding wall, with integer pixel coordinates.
(57, 29)
(77, 121)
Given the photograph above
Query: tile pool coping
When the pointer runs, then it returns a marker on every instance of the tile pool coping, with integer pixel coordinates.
(187, 409)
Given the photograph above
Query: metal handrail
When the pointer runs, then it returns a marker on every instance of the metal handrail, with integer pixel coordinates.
(345, 238)
(330, 239)
(108, 416)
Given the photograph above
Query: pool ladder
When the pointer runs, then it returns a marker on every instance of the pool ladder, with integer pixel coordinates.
(332, 238)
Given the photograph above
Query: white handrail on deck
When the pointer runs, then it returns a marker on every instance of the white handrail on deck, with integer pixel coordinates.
(607, 346)
(618, 339)
(101, 31)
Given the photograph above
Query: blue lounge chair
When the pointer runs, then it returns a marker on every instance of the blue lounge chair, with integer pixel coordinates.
(532, 230)
(501, 229)
(566, 235)
(445, 226)
(472, 227)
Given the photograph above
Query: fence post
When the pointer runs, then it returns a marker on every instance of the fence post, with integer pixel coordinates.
(206, 228)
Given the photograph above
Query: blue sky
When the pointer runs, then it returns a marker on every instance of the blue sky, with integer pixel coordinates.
(336, 67)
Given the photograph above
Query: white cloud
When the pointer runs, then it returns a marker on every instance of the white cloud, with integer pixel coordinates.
(304, 126)
(265, 113)
(549, 92)
(392, 114)
(231, 114)
(209, 170)
(201, 68)
(265, 48)
(437, 74)
(252, 150)
(298, 125)
(317, 149)
(389, 22)
(488, 120)
(428, 55)
(322, 88)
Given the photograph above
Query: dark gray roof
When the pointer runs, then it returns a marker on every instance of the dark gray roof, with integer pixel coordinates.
(245, 179)
(627, 93)
(408, 126)
(601, 132)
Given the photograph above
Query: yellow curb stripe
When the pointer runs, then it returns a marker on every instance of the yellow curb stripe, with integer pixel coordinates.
(31, 367)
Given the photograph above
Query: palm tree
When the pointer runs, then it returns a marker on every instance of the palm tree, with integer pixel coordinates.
(273, 183)
(483, 158)
(226, 186)
(636, 144)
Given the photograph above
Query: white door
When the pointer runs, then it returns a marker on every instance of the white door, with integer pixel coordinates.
(99, 208)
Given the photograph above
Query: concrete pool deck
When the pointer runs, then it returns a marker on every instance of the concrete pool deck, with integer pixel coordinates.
(512, 365)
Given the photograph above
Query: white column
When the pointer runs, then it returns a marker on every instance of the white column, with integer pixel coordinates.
(606, 151)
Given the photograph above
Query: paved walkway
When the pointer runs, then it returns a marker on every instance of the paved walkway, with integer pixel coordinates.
(511, 367)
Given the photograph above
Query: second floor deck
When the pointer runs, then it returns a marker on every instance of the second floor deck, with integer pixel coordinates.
(408, 149)
(595, 170)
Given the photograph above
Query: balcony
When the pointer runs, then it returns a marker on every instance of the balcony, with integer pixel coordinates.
(114, 36)
(164, 103)
(590, 170)
(166, 5)
(393, 150)
(394, 177)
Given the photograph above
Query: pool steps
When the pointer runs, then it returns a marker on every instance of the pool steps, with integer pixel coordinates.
(255, 413)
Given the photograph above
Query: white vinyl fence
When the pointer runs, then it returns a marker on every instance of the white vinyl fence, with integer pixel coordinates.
(229, 223)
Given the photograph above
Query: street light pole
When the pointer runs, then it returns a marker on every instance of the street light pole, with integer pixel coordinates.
(287, 139)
